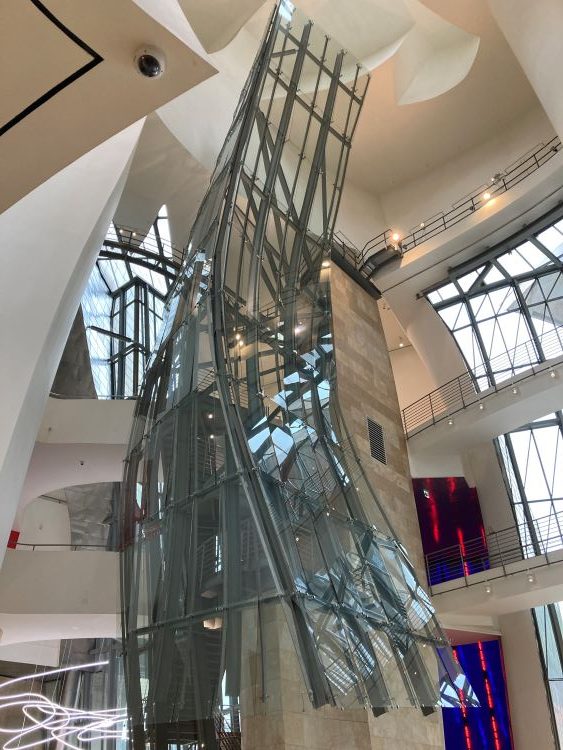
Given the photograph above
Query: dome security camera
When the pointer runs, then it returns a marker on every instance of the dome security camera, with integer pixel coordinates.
(150, 62)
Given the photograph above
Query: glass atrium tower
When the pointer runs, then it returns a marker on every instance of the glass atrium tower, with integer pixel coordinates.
(244, 501)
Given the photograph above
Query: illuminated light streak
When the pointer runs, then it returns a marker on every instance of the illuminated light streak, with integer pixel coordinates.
(463, 706)
(58, 723)
(467, 733)
(490, 702)
(461, 541)
(434, 516)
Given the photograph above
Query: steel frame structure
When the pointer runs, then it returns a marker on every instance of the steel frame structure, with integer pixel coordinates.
(488, 282)
(244, 500)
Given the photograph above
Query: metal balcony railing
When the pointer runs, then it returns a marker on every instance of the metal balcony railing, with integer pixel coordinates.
(387, 246)
(499, 373)
(60, 547)
(495, 551)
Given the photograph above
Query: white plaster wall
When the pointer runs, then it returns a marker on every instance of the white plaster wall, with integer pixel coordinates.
(529, 714)
(412, 379)
(482, 470)
(360, 215)
(408, 205)
(533, 30)
(45, 653)
(45, 522)
(50, 240)
(87, 421)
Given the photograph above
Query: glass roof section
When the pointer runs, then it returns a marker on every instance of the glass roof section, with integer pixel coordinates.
(506, 313)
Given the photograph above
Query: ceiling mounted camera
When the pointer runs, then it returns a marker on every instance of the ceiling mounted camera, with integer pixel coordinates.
(150, 62)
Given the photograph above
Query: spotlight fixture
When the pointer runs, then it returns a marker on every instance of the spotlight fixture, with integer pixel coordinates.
(241, 343)
(450, 422)
(552, 373)
(481, 406)
(515, 390)
(326, 264)
(212, 437)
(531, 578)
(486, 196)
(237, 336)
(488, 589)
(395, 237)
(210, 416)
(422, 225)
(213, 623)
(401, 344)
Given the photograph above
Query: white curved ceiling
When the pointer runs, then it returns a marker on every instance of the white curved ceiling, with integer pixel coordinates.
(69, 82)
(446, 82)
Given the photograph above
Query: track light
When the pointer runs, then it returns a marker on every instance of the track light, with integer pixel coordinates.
(488, 589)
(481, 406)
(395, 237)
(450, 422)
(486, 196)
(531, 578)
(553, 373)
(515, 390)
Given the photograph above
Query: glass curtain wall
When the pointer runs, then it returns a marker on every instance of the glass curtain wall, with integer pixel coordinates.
(249, 529)
(505, 311)
(123, 305)
(532, 458)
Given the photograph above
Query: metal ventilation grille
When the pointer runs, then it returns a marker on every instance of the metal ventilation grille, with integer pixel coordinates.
(376, 441)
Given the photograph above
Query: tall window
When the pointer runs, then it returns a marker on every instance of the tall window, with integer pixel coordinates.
(506, 314)
(506, 309)
(124, 302)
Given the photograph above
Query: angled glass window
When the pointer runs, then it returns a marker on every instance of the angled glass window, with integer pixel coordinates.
(506, 313)
(123, 305)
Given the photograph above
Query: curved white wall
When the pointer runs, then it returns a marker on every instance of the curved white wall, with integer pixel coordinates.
(50, 240)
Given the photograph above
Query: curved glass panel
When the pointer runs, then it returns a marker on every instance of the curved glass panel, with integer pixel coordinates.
(246, 515)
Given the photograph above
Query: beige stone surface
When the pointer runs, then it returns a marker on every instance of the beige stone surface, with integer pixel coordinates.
(366, 388)
(278, 715)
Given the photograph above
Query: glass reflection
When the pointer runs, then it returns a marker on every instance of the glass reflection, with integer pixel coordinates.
(245, 510)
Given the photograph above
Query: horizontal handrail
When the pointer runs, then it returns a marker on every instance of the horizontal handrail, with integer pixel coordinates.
(96, 397)
(498, 373)
(71, 547)
(461, 209)
(493, 550)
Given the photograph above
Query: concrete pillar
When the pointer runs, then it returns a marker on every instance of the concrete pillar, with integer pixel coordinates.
(533, 30)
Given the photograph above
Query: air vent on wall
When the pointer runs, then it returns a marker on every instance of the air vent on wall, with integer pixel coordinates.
(376, 441)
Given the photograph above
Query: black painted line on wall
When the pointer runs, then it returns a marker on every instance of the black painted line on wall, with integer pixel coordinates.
(96, 60)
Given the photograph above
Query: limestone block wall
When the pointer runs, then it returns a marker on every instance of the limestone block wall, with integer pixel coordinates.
(276, 712)
(366, 388)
